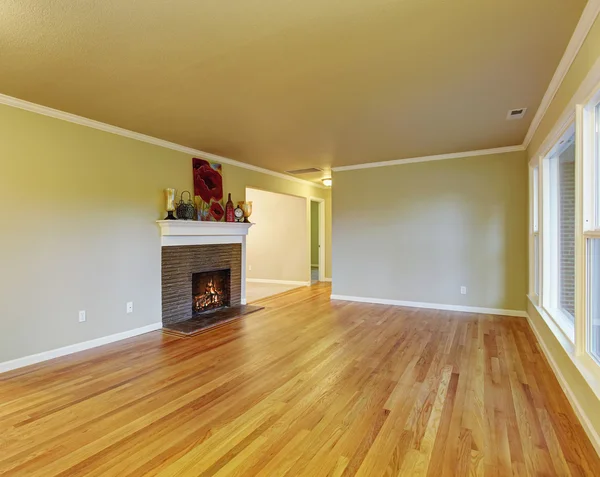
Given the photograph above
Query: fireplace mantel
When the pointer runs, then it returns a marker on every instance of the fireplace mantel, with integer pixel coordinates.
(193, 228)
(177, 233)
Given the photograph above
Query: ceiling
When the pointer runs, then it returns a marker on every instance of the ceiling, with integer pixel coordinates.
(287, 84)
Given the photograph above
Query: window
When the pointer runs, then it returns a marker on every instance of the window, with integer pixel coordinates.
(593, 293)
(565, 235)
(591, 229)
(596, 161)
(559, 232)
(536, 264)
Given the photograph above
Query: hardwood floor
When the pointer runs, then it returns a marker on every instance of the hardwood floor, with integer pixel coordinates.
(306, 387)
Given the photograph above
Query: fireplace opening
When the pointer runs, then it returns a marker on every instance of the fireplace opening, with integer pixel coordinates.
(210, 290)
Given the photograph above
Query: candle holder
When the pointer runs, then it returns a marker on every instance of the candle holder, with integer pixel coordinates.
(170, 199)
(247, 208)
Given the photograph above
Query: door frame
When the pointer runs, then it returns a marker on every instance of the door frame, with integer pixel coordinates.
(321, 203)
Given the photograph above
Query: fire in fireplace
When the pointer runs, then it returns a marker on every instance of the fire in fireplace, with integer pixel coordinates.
(210, 290)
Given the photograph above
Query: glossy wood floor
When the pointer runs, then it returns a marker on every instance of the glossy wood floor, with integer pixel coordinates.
(306, 387)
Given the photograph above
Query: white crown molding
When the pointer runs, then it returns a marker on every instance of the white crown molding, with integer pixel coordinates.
(588, 17)
(431, 306)
(57, 353)
(438, 157)
(588, 87)
(73, 118)
(586, 21)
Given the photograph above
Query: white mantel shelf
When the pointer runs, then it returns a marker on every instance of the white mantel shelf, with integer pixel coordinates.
(193, 232)
(187, 228)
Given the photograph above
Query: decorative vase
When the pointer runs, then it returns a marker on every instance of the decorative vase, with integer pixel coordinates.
(229, 211)
(170, 199)
(247, 208)
(186, 210)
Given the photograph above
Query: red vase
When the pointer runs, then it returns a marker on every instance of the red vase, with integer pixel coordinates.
(229, 216)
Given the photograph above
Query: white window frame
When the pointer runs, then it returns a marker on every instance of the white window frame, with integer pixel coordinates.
(534, 233)
(548, 204)
(589, 209)
(587, 220)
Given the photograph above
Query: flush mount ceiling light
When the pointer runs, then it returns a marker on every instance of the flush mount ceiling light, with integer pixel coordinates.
(327, 182)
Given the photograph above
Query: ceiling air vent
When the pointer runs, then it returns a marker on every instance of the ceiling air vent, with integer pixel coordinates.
(310, 170)
(516, 113)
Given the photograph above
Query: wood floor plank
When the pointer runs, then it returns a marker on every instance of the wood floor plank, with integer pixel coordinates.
(307, 386)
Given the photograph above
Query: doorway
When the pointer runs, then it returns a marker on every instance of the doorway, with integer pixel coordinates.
(277, 244)
(317, 239)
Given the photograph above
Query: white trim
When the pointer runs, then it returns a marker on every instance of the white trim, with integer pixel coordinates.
(325, 279)
(588, 17)
(582, 96)
(571, 395)
(278, 282)
(192, 232)
(579, 320)
(438, 157)
(584, 25)
(73, 118)
(75, 348)
(432, 306)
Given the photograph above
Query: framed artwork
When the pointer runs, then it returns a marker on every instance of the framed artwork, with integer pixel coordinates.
(208, 190)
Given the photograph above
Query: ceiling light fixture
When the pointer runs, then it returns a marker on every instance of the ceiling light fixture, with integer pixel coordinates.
(327, 182)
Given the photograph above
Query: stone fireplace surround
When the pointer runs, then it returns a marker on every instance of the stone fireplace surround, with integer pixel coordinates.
(178, 265)
(190, 247)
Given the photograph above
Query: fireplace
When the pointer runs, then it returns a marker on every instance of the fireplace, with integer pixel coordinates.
(210, 290)
(203, 275)
(182, 270)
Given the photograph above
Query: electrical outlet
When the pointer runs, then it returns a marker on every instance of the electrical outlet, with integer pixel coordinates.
(129, 307)
(463, 290)
(81, 316)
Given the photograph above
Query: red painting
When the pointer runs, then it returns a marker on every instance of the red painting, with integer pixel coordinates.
(208, 190)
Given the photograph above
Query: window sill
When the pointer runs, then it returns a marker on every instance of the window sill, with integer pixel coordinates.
(587, 367)
(564, 322)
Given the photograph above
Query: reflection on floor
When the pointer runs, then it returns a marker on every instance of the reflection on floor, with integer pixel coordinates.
(258, 291)
(306, 387)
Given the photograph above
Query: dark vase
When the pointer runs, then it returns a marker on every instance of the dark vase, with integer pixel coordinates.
(229, 215)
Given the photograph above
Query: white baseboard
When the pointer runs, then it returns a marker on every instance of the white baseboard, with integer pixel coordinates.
(579, 412)
(56, 353)
(432, 306)
(278, 282)
(243, 301)
(325, 279)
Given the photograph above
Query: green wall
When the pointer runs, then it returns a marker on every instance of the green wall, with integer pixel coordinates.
(426, 229)
(80, 234)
